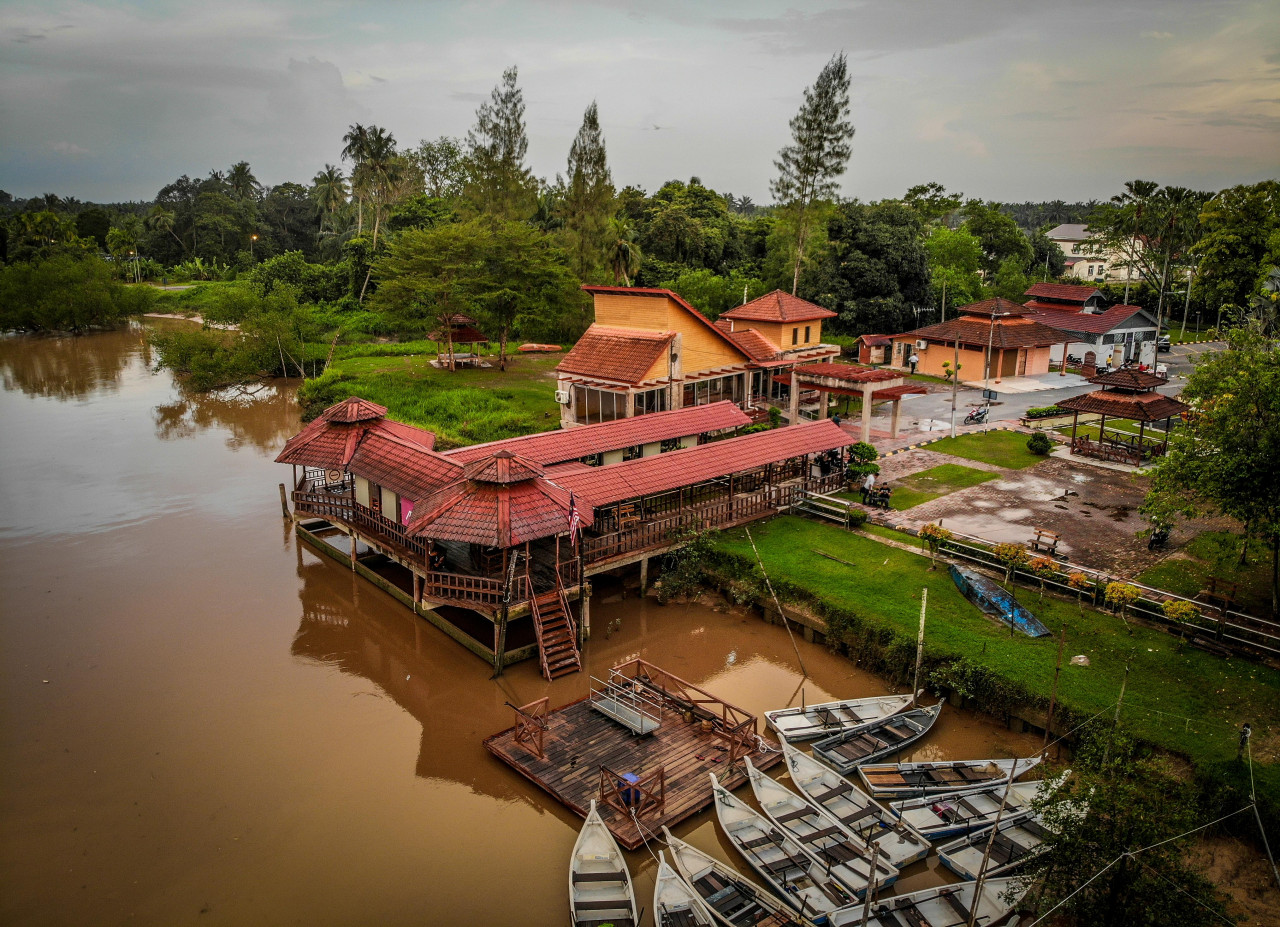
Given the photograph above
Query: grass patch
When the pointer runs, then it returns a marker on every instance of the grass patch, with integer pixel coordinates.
(935, 482)
(890, 534)
(1000, 448)
(198, 298)
(1165, 688)
(1217, 553)
(463, 407)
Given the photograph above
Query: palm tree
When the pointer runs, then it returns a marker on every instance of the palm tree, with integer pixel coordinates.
(1136, 194)
(329, 191)
(623, 253)
(356, 149)
(242, 182)
(161, 220)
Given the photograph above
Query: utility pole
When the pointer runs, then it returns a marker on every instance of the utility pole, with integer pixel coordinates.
(1053, 696)
(986, 854)
(871, 882)
(955, 385)
(915, 684)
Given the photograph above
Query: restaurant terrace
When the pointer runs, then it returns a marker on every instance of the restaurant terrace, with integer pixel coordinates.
(493, 544)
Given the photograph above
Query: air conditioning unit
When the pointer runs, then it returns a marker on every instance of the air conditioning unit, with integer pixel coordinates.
(562, 397)
(921, 345)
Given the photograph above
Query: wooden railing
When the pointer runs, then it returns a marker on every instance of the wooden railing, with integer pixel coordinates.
(648, 794)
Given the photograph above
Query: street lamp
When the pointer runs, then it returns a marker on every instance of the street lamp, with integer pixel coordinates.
(252, 239)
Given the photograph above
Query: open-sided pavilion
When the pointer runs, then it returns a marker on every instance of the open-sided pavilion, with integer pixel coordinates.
(1130, 395)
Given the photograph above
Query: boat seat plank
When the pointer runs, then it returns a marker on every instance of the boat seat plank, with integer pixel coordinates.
(851, 819)
(819, 834)
(822, 797)
(886, 917)
(794, 815)
(758, 842)
(683, 918)
(599, 877)
(953, 899)
(785, 863)
(609, 904)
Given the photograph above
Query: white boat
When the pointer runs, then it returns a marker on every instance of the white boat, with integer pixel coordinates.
(939, 817)
(778, 858)
(942, 906)
(734, 900)
(908, 780)
(858, 813)
(875, 740)
(600, 890)
(675, 904)
(809, 721)
(1017, 840)
(844, 856)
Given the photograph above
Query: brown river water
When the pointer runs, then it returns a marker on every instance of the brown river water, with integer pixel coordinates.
(203, 723)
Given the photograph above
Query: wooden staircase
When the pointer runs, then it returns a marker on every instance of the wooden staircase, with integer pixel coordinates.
(557, 634)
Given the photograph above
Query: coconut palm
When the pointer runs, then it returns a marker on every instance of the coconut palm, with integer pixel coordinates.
(356, 150)
(242, 182)
(329, 192)
(623, 252)
(161, 220)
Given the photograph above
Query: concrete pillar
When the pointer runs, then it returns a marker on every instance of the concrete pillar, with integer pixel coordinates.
(823, 399)
(1000, 365)
(630, 410)
(793, 409)
(897, 410)
(351, 536)
(585, 608)
(867, 389)
(644, 576)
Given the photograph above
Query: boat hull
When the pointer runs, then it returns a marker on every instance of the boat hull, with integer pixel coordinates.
(996, 601)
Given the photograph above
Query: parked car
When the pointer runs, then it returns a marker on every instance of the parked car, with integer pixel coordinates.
(1164, 344)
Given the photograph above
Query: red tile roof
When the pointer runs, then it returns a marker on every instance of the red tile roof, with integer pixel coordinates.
(1091, 323)
(551, 447)
(778, 306)
(496, 514)
(848, 373)
(502, 467)
(331, 438)
(1063, 292)
(1129, 379)
(755, 345)
(621, 355)
(1140, 407)
(649, 475)
(461, 334)
(876, 341)
(1012, 328)
(402, 466)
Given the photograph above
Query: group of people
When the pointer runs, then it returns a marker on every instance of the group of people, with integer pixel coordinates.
(878, 497)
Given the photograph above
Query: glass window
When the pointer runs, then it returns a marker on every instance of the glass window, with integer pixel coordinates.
(795, 336)
(597, 405)
(633, 452)
(670, 444)
(806, 334)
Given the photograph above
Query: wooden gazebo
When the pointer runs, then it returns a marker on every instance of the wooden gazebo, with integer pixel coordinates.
(1126, 394)
(462, 330)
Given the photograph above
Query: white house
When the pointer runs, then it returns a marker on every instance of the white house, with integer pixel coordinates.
(1071, 239)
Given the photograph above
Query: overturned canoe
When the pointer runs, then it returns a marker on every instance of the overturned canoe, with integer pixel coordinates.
(875, 740)
(996, 601)
(826, 718)
(539, 348)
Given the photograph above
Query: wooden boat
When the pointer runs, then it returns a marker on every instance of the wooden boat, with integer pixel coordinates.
(600, 890)
(875, 740)
(808, 722)
(675, 904)
(532, 348)
(844, 856)
(908, 780)
(939, 817)
(996, 601)
(734, 901)
(778, 858)
(941, 906)
(1018, 839)
(860, 815)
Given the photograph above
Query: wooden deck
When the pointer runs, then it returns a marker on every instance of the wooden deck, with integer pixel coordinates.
(579, 740)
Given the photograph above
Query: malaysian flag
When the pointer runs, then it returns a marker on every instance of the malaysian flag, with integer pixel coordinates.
(574, 520)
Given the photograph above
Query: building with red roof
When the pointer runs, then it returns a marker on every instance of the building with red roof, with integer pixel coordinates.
(649, 350)
(994, 336)
(1084, 259)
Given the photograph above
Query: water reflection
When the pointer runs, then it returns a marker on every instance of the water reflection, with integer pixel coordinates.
(67, 367)
(262, 416)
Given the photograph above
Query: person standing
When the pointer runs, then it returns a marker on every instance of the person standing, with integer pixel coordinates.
(868, 484)
(913, 360)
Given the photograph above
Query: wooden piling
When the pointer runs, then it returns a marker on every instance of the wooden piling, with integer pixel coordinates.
(284, 502)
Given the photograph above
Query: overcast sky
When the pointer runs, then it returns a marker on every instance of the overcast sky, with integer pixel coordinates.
(1003, 99)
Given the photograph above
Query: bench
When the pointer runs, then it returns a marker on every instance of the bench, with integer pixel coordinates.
(599, 877)
(1045, 542)
(610, 904)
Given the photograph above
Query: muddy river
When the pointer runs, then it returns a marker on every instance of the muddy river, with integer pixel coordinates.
(203, 723)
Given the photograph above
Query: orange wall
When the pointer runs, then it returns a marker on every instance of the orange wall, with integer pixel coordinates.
(780, 332)
(701, 347)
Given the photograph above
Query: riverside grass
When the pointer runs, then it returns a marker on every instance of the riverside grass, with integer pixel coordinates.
(465, 406)
(1190, 702)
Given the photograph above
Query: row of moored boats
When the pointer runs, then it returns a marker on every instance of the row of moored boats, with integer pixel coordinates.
(821, 848)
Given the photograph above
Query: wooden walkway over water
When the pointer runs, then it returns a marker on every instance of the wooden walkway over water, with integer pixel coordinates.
(671, 764)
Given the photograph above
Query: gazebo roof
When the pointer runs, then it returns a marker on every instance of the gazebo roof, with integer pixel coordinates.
(999, 322)
(1129, 379)
(504, 500)
(352, 410)
(1140, 407)
(331, 439)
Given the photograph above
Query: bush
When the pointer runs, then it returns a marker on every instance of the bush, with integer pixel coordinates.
(1044, 412)
(1039, 444)
(857, 518)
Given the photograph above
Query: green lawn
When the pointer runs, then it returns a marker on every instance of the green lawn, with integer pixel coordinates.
(1001, 448)
(463, 407)
(1165, 688)
(1217, 553)
(918, 488)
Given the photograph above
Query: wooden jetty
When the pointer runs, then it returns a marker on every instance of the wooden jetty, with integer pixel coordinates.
(641, 745)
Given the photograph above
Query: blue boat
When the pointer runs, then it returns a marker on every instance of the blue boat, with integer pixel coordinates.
(993, 599)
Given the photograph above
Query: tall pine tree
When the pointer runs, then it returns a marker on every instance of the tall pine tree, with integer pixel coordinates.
(818, 154)
(588, 203)
(499, 183)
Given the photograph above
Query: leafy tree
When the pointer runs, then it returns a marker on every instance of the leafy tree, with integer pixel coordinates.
(355, 149)
(1010, 280)
(875, 271)
(242, 182)
(1047, 259)
(819, 153)
(93, 224)
(499, 183)
(421, 211)
(1240, 241)
(588, 202)
(713, 294)
(443, 166)
(1000, 236)
(288, 221)
(65, 292)
(1224, 459)
(932, 202)
(955, 256)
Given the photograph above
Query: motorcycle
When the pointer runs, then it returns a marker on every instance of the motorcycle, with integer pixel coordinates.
(977, 415)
